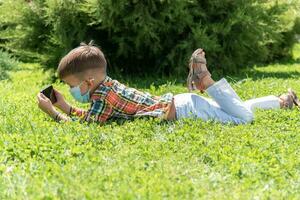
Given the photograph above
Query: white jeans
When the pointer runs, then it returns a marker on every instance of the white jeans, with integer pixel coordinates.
(225, 105)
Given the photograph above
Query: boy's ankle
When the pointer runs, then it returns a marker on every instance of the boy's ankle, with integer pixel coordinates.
(207, 82)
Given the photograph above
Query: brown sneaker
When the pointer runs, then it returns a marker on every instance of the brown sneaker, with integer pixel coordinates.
(294, 96)
(198, 71)
(287, 101)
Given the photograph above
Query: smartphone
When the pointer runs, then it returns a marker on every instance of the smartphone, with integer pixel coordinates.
(49, 92)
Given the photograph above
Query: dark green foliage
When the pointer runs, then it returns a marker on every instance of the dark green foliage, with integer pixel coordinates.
(23, 29)
(282, 48)
(151, 36)
(68, 26)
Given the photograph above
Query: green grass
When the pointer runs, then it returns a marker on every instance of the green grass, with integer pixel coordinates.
(149, 159)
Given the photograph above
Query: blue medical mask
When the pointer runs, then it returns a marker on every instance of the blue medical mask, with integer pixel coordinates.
(75, 92)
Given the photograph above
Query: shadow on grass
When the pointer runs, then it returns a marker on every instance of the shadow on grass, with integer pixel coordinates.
(146, 81)
(257, 74)
(253, 73)
(250, 73)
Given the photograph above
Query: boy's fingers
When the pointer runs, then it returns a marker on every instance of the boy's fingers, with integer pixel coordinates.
(38, 100)
(43, 96)
(56, 92)
(39, 96)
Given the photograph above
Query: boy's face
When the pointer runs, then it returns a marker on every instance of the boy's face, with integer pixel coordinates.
(74, 81)
(88, 81)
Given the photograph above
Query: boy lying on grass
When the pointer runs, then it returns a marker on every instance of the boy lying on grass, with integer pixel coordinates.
(84, 70)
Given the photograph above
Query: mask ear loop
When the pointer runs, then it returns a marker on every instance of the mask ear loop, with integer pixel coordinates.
(88, 82)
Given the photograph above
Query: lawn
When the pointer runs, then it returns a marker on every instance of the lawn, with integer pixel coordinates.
(149, 159)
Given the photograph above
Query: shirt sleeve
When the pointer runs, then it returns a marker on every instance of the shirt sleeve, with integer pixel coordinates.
(77, 112)
(100, 111)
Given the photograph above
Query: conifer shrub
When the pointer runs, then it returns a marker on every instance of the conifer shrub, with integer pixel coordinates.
(7, 62)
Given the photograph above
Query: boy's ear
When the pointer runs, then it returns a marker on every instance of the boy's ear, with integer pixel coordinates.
(91, 81)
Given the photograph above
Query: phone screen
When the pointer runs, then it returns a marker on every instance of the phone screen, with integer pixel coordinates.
(48, 92)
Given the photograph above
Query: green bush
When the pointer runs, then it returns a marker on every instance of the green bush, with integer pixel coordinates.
(23, 30)
(6, 63)
(151, 36)
(44, 30)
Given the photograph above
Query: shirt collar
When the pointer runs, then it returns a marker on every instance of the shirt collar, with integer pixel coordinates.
(106, 79)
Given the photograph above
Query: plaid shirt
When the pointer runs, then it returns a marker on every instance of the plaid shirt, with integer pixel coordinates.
(114, 100)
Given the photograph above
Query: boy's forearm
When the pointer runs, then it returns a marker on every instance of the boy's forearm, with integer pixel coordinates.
(57, 116)
(66, 108)
(62, 117)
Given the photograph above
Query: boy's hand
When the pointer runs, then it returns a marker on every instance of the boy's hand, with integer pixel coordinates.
(61, 102)
(60, 99)
(46, 105)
